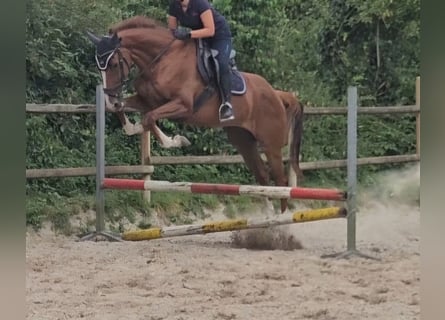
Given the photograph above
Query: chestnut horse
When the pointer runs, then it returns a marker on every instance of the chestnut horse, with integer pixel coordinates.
(167, 84)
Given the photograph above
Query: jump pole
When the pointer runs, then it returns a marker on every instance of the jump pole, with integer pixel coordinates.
(234, 224)
(226, 189)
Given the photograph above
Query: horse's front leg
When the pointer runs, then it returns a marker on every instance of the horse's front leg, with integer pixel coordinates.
(172, 109)
(134, 102)
(130, 128)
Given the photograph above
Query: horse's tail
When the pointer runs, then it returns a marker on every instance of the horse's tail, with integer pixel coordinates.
(294, 112)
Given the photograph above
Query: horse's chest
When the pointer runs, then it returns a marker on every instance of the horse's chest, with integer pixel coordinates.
(150, 92)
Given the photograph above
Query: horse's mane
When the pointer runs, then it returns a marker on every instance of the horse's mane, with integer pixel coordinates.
(136, 23)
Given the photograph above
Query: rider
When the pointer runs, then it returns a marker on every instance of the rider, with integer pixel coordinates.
(198, 19)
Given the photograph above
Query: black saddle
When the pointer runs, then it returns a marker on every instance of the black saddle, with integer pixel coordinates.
(209, 71)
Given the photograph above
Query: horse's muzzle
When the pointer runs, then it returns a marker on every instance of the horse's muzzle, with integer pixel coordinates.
(113, 104)
(119, 106)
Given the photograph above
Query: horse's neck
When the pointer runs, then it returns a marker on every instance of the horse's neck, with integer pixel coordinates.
(145, 47)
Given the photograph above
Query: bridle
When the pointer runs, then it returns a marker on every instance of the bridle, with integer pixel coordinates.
(102, 61)
(103, 64)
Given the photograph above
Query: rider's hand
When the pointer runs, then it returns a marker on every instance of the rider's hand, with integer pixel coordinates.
(182, 33)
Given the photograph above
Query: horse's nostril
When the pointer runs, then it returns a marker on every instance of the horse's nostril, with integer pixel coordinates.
(119, 105)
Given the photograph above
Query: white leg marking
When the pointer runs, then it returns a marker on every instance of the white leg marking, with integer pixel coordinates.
(136, 128)
(132, 128)
(177, 141)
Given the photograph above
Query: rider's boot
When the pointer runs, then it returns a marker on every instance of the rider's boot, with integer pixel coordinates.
(226, 109)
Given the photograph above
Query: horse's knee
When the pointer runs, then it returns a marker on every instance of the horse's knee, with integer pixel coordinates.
(148, 121)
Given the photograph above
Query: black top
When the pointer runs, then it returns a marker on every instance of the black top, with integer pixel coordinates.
(191, 18)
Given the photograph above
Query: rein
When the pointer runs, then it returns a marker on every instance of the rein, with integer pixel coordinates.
(160, 54)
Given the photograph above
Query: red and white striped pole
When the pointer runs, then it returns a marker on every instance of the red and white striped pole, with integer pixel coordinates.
(226, 189)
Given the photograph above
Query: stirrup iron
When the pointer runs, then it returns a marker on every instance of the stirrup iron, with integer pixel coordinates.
(226, 105)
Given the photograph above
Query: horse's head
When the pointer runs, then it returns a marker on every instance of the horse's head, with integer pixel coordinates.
(114, 64)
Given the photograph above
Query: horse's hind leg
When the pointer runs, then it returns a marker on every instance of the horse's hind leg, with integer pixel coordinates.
(246, 145)
(275, 160)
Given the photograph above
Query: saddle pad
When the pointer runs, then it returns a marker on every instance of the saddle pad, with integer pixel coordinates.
(238, 83)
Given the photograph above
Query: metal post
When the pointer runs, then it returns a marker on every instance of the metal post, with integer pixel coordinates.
(100, 171)
(418, 117)
(352, 168)
(352, 180)
(100, 158)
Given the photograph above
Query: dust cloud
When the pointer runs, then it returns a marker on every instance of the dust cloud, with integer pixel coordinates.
(388, 215)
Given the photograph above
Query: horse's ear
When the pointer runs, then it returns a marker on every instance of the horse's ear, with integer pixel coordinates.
(115, 39)
(95, 39)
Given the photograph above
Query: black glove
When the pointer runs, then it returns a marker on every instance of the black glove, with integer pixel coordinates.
(182, 33)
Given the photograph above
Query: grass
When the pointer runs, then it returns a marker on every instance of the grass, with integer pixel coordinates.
(55, 209)
(236, 206)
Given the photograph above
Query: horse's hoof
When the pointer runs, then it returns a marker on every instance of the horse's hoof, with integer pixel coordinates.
(286, 211)
(181, 141)
(131, 129)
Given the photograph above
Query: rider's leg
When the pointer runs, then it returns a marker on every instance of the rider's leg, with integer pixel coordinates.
(224, 47)
(225, 110)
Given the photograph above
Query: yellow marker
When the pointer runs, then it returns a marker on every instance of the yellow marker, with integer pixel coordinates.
(147, 234)
(318, 214)
(226, 225)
